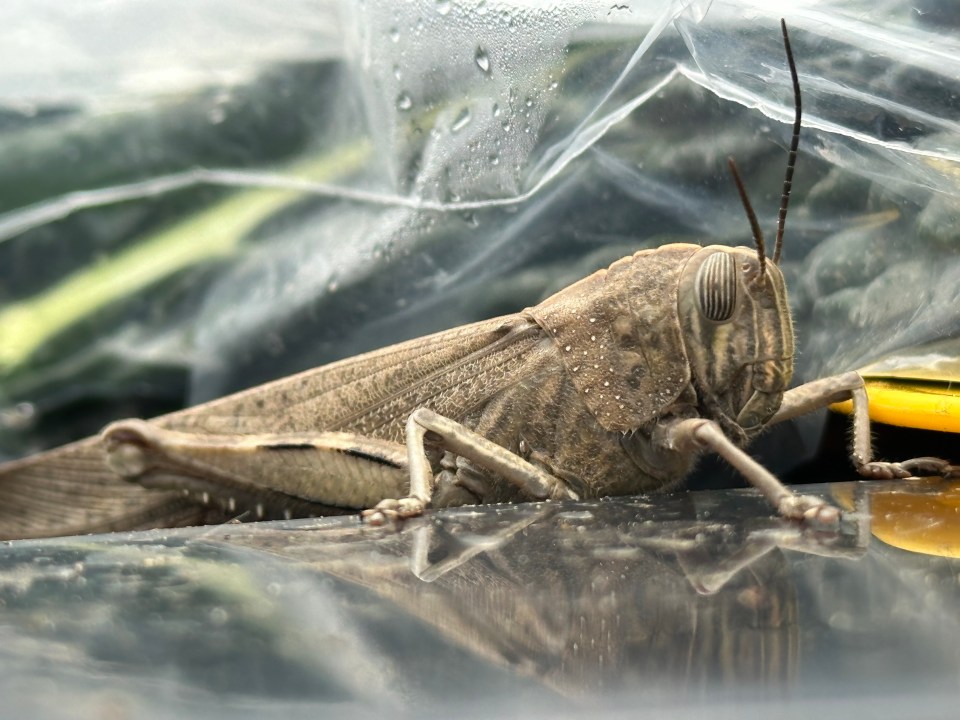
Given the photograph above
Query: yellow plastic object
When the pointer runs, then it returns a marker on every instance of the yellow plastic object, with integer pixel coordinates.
(912, 403)
(919, 516)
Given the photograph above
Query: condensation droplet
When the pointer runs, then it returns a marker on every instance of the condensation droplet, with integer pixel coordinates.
(482, 60)
(395, 34)
(576, 515)
(443, 6)
(216, 115)
(404, 102)
(463, 119)
(19, 417)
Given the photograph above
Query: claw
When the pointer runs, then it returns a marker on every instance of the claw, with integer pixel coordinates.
(409, 507)
(809, 510)
(823, 515)
(375, 518)
(389, 511)
(929, 466)
(878, 470)
(915, 467)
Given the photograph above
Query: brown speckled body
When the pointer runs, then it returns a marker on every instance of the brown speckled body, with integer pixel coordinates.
(544, 419)
(577, 385)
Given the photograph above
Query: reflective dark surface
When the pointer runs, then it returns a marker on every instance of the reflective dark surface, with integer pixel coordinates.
(691, 602)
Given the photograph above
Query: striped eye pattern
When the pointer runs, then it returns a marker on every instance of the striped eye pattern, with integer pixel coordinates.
(716, 287)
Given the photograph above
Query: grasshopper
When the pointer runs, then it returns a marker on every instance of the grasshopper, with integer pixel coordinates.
(612, 386)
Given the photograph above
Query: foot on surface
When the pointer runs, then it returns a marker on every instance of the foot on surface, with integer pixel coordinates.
(387, 511)
(916, 467)
(809, 509)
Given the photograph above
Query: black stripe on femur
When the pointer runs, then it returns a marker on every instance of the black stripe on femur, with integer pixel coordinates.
(716, 287)
(287, 446)
(364, 455)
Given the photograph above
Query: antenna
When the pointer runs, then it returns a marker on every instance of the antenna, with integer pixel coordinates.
(794, 144)
(751, 215)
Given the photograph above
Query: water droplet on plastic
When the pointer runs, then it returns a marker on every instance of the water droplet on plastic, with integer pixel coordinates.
(576, 515)
(404, 102)
(443, 6)
(396, 72)
(841, 621)
(462, 120)
(494, 159)
(19, 417)
(482, 60)
(496, 110)
(216, 115)
(395, 34)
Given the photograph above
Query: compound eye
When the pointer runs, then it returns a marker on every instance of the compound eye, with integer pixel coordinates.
(716, 287)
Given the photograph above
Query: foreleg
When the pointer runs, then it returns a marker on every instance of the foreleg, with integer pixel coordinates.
(697, 434)
(849, 386)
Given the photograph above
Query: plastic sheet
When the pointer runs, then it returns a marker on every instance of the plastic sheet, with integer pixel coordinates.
(684, 606)
(249, 190)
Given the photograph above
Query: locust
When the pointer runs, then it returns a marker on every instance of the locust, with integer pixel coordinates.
(613, 386)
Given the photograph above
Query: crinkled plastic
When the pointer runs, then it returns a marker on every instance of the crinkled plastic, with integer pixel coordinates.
(200, 196)
(693, 605)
